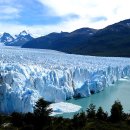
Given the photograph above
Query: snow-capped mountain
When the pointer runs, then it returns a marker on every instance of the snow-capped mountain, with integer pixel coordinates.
(29, 74)
(18, 40)
(23, 33)
(6, 37)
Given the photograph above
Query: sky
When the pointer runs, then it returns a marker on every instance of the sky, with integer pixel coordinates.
(41, 17)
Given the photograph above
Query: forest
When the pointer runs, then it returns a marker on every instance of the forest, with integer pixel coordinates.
(91, 119)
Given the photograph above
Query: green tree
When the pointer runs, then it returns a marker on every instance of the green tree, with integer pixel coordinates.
(101, 115)
(116, 112)
(17, 119)
(79, 120)
(41, 114)
(29, 118)
(0, 119)
(91, 111)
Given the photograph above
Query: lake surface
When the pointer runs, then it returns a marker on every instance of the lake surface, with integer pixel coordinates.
(119, 91)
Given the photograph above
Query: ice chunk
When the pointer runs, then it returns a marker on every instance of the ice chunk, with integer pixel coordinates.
(63, 107)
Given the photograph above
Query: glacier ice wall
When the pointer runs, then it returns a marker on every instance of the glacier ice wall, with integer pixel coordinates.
(28, 74)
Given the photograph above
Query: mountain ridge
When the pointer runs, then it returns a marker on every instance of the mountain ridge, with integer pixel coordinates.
(113, 40)
(18, 40)
(59, 41)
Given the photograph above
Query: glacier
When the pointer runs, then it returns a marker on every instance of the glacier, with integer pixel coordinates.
(29, 74)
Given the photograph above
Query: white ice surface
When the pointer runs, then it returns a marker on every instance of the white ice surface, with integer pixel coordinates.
(63, 107)
(28, 74)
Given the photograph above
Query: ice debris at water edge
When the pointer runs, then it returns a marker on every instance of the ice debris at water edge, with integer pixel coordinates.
(28, 74)
(63, 107)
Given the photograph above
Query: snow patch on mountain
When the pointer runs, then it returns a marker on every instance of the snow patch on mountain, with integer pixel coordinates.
(6, 37)
(23, 33)
(29, 74)
(17, 40)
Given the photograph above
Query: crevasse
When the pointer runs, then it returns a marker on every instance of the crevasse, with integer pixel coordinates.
(54, 76)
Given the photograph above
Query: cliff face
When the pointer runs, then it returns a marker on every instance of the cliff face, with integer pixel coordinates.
(27, 74)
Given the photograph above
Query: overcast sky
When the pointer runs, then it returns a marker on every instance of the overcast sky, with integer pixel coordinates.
(41, 17)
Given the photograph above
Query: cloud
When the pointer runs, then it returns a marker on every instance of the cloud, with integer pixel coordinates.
(9, 13)
(104, 11)
(45, 16)
(7, 1)
(98, 19)
(35, 30)
(9, 10)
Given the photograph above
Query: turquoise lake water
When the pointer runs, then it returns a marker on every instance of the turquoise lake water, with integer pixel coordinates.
(120, 91)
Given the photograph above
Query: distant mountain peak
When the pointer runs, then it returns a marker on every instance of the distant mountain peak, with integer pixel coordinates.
(24, 33)
(6, 37)
(18, 40)
(6, 34)
(86, 30)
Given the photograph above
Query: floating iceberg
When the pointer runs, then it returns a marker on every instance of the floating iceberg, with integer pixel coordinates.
(29, 74)
(63, 107)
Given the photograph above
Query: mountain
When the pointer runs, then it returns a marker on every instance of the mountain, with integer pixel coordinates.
(113, 40)
(18, 40)
(6, 37)
(63, 41)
